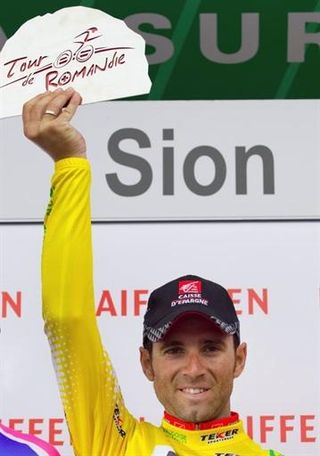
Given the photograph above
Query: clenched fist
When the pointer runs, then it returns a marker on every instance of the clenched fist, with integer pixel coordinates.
(46, 122)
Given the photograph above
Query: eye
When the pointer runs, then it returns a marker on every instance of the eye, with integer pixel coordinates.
(210, 348)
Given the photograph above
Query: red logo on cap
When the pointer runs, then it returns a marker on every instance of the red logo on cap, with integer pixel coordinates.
(190, 286)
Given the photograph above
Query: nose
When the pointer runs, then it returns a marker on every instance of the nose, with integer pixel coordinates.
(194, 365)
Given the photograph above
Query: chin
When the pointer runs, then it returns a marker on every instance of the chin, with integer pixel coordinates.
(196, 416)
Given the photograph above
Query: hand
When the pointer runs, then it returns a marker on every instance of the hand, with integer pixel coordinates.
(46, 122)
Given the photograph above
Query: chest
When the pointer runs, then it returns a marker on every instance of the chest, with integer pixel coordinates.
(164, 442)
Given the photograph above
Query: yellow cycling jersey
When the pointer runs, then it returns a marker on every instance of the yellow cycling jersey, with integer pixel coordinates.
(98, 421)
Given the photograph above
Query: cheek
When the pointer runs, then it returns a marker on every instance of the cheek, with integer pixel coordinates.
(224, 370)
(163, 375)
(162, 384)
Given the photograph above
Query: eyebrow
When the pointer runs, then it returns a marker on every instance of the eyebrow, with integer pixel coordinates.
(176, 343)
(170, 343)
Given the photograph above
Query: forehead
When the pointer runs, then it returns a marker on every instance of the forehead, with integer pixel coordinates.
(194, 326)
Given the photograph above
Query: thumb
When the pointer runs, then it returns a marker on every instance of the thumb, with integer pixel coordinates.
(70, 109)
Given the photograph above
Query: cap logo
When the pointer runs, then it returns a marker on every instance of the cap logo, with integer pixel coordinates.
(190, 286)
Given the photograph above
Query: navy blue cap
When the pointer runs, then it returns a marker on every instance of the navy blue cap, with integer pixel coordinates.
(192, 294)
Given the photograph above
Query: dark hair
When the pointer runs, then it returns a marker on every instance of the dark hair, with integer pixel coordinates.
(147, 344)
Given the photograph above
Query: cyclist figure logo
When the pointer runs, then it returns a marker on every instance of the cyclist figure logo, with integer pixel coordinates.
(84, 51)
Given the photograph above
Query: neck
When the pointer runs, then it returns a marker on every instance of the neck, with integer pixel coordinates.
(218, 422)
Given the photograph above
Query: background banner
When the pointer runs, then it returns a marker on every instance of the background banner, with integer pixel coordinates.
(204, 49)
(180, 160)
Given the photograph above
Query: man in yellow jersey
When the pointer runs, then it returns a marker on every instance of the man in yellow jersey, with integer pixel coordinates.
(191, 341)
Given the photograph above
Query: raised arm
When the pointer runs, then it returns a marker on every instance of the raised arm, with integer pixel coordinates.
(87, 384)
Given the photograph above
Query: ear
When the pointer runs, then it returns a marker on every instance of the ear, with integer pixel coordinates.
(240, 361)
(146, 363)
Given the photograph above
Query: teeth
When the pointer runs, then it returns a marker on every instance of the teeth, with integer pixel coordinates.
(193, 390)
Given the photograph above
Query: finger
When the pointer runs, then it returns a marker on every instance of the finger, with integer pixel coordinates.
(51, 103)
(69, 110)
(55, 105)
(29, 105)
(31, 126)
(38, 106)
(33, 112)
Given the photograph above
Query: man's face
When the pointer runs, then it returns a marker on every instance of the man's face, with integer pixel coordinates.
(193, 369)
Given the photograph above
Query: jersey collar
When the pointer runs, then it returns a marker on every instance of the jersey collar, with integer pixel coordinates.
(220, 422)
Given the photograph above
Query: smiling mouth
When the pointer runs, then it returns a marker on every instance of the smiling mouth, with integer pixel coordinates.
(194, 391)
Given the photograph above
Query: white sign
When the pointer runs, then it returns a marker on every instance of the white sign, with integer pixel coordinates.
(81, 47)
(181, 160)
